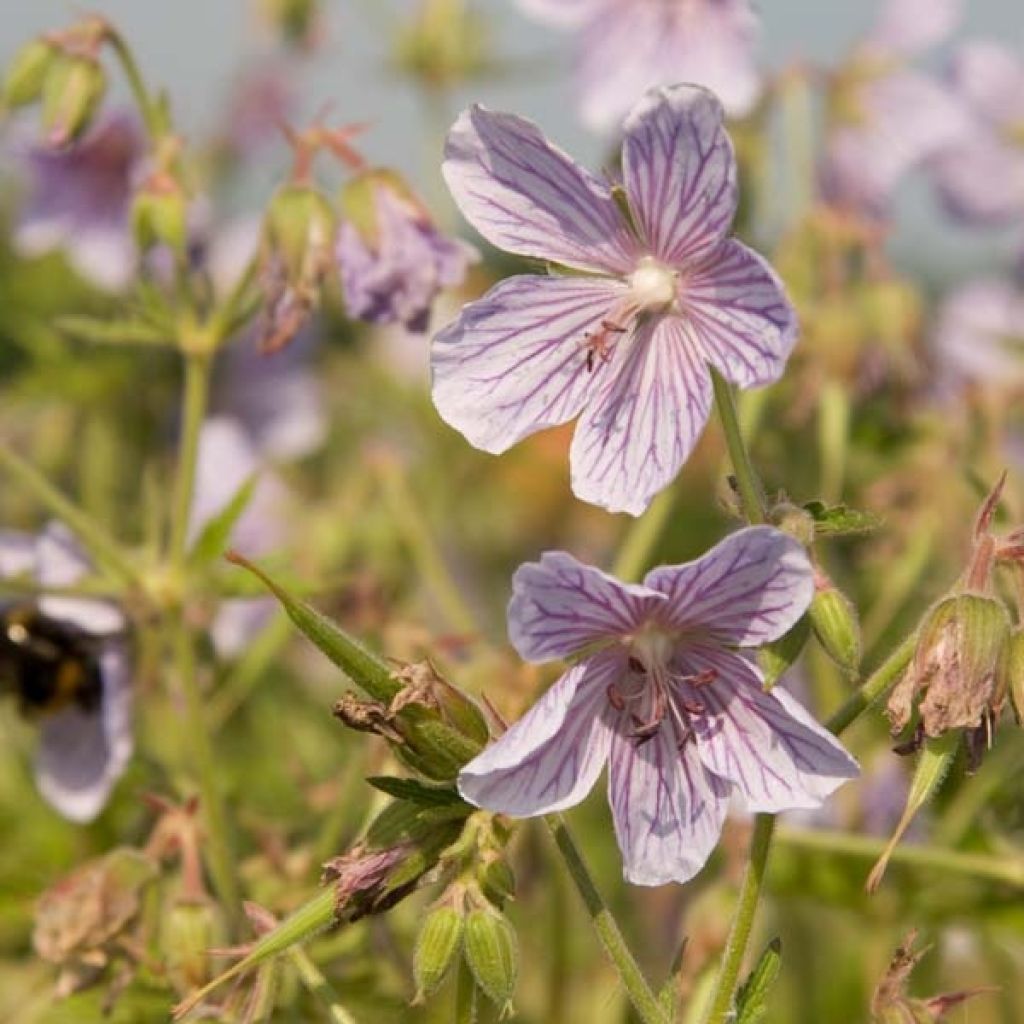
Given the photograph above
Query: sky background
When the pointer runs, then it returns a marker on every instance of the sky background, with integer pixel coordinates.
(197, 47)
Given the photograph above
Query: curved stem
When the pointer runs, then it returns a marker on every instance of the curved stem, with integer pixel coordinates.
(643, 999)
(148, 108)
(747, 483)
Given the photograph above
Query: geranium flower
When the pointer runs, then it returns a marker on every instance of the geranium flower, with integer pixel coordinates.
(885, 117)
(981, 178)
(627, 46)
(661, 291)
(79, 200)
(74, 673)
(660, 693)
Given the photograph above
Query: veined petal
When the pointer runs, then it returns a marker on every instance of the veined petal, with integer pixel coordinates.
(640, 428)
(668, 810)
(560, 605)
(740, 316)
(747, 590)
(516, 361)
(679, 171)
(765, 744)
(525, 195)
(551, 758)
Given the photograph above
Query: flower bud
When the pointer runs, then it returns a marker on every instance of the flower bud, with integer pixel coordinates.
(27, 72)
(492, 953)
(1014, 669)
(836, 626)
(300, 228)
(72, 92)
(776, 657)
(496, 878)
(187, 932)
(436, 945)
(443, 45)
(160, 213)
(794, 520)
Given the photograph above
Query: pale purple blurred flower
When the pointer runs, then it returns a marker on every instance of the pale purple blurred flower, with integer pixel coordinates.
(979, 333)
(625, 345)
(79, 200)
(83, 748)
(627, 46)
(661, 693)
(886, 118)
(393, 268)
(981, 177)
(227, 459)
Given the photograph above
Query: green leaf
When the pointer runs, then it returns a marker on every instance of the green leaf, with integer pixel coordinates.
(752, 997)
(365, 668)
(415, 792)
(111, 332)
(838, 520)
(213, 539)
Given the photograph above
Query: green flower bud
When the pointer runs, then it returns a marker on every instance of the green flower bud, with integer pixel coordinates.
(160, 214)
(492, 953)
(776, 657)
(187, 932)
(1014, 669)
(26, 74)
(299, 227)
(436, 945)
(72, 92)
(496, 878)
(836, 626)
(794, 520)
(444, 45)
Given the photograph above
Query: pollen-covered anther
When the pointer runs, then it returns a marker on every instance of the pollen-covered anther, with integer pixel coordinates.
(653, 285)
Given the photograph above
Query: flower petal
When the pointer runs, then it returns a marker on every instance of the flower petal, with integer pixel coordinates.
(907, 27)
(641, 427)
(737, 308)
(560, 605)
(750, 588)
(679, 171)
(668, 810)
(526, 196)
(515, 361)
(991, 77)
(765, 744)
(981, 180)
(551, 758)
(17, 553)
(560, 12)
(81, 753)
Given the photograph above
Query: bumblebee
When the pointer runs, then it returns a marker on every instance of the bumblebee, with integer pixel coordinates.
(48, 664)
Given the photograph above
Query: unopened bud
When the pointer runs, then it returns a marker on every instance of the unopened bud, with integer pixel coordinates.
(187, 932)
(1014, 668)
(72, 92)
(776, 657)
(436, 945)
(160, 213)
(492, 953)
(496, 878)
(300, 228)
(794, 520)
(836, 626)
(27, 72)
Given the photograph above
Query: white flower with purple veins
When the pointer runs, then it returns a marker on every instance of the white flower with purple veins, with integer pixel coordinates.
(79, 199)
(67, 660)
(393, 259)
(660, 693)
(660, 293)
(885, 117)
(627, 46)
(981, 178)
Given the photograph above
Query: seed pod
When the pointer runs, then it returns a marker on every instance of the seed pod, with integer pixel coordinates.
(436, 945)
(187, 932)
(23, 82)
(159, 213)
(836, 626)
(72, 92)
(492, 953)
(1014, 669)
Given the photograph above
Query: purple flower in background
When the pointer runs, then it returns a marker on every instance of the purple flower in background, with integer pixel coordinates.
(393, 259)
(664, 292)
(660, 693)
(628, 46)
(79, 200)
(981, 178)
(885, 117)
(68, 662)
(979, 333)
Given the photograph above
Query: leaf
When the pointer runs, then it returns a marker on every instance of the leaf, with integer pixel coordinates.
(365, 668)
(840, 520)
(111, 332)
(752, 997)
(416, 792)
(214, 536)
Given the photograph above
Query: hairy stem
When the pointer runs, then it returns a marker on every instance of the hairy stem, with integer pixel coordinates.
(749, 486)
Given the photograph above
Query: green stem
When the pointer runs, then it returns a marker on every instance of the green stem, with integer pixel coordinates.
(643, 999)
(750, 491)
(147, 106)
(319, 986)
(641, 537)
(874, 687)
(218, 845)
(197, 388)
(977, 865)
(101, 547)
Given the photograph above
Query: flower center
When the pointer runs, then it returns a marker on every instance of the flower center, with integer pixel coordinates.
(652, 286)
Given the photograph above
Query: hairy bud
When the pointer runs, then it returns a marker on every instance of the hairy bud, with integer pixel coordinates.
(836, 625)
(27, 72)
(72, 92)
(492, 954)
(437, 944)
